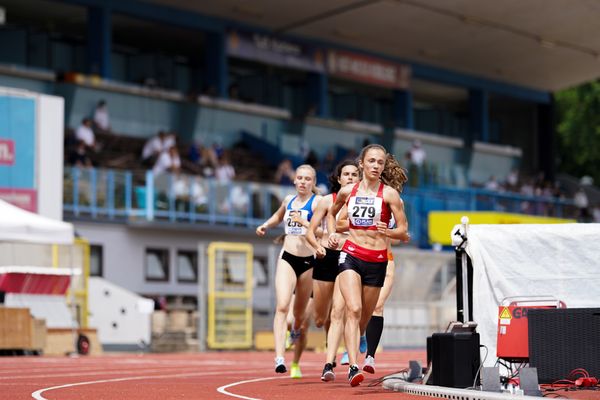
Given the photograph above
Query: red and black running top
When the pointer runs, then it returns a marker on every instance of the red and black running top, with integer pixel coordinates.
(365, 211)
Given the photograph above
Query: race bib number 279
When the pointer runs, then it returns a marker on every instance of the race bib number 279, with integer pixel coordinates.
(363, 210)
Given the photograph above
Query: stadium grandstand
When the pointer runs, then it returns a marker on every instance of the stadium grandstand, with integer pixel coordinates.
(182, 121)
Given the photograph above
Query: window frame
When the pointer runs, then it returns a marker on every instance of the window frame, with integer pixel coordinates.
(194, 256)
(164, 256)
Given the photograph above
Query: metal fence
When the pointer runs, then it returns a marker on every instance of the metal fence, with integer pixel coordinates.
(125, 195)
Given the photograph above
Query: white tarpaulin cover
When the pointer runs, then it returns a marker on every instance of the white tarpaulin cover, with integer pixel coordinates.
(18, 225)
(561, 260)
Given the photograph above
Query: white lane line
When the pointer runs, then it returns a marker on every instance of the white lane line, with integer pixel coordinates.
(98, 372)
(38, 393)
(223, 389)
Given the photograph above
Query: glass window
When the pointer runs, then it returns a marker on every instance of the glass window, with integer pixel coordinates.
(96, 260)
(187, 266)
(157, 265)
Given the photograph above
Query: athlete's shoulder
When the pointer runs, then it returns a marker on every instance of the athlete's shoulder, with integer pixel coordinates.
(327, 199)
(317, 199)
(390, 190)
(390, 193)
(288, 198)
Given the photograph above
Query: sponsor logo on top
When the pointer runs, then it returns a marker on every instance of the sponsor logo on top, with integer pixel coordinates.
(365, 200)
(362, 221)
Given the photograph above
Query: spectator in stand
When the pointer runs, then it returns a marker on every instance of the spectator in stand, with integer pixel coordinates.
(417, 154)
(512, 180)
(101, 118)
(224, 171)
(188, 189)
(168, 161)
(492, 184)
(596, 213)
(155, 146)
(195, 152)
(557, 191)
(218, 148)
(527, 189)
(85, 134)
(79, 157)
(203, 157)
(285, 174)
(415, 158)
(582, 203)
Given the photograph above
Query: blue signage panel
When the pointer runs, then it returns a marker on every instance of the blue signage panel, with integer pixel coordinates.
(17, 142)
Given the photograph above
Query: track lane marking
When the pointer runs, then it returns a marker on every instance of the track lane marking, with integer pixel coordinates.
(38, 393)
(223, 389)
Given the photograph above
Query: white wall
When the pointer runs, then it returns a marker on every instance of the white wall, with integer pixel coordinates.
(121, 316)
(49, 163)
(124, 252)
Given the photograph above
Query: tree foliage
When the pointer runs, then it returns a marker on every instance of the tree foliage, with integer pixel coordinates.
(578, 130)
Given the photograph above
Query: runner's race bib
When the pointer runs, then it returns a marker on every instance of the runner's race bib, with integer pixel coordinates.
(364, 211)
(292, 227)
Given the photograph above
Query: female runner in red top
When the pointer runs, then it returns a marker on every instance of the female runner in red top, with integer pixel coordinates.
(363, 259)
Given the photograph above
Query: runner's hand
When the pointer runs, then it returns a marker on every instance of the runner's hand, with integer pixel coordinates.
(261, 230)
(320, 253)
(382, 228)
(333, 241)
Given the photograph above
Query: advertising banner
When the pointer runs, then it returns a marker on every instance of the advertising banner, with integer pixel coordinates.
(371, 70)
(17, 151)
(275, 51)
(440, 223)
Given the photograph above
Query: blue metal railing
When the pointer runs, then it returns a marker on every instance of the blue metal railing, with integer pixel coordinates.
(126, 195)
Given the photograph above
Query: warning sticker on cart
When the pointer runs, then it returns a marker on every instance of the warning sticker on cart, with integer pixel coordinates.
(505, 316)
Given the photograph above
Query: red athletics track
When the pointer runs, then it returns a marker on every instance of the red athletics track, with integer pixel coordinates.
(211, 375)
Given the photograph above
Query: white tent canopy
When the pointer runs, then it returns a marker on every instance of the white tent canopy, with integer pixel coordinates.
(17, 225)
(556, 260)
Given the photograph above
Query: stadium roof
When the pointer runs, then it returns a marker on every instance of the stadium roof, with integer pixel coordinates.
(542, 44)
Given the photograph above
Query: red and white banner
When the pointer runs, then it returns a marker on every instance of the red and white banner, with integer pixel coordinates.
(372, 70)
(7, 152)
(22, 198)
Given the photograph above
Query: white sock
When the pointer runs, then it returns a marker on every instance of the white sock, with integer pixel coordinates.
(279, 360)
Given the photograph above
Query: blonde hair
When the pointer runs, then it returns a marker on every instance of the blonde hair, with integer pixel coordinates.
(315, 190)
(393, 174)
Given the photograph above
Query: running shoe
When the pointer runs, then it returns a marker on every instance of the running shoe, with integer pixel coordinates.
(280, 365)
(344, 360)
(369, 365)
(328, 375)
(295, 372)
(363, 344)
(288, 340)
(295, 335)
(355, 377)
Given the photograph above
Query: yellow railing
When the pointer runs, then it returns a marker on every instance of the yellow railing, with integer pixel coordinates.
(76, 256)
(230, 278)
